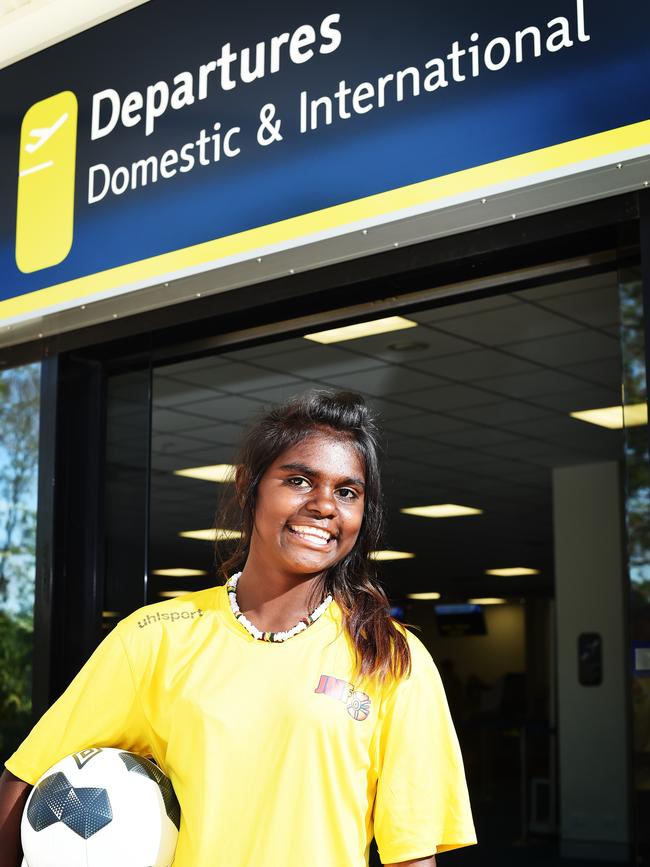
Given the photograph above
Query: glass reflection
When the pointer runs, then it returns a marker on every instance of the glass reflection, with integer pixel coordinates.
(19, 413)
(637, 481)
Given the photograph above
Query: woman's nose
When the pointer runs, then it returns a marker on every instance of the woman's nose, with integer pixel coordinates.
(322, 501)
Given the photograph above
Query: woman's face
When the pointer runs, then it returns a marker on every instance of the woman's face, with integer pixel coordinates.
(309, 506)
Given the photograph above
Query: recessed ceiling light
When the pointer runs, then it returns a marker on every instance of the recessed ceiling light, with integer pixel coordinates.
(171, 594)
(441, 510)
(211, 535)
(111, 615)
(512, 571)
(615, 417)
(214, 473)
(487, 600)
(361, 329)
(406, 345)
(423, 596)
(179, 573)
(391, 555)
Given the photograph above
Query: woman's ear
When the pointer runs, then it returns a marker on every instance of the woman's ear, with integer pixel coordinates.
(242, 481)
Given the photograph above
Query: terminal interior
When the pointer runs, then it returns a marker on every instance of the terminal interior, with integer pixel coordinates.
(475, 401)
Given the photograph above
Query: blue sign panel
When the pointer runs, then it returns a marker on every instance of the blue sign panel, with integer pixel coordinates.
(178, 136)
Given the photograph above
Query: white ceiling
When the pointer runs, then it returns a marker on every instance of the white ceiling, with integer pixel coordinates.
(476, 413)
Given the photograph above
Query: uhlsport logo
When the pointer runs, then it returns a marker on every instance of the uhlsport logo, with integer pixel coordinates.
(46, 176)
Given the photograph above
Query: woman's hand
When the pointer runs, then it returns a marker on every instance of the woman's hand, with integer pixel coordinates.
(13, 795)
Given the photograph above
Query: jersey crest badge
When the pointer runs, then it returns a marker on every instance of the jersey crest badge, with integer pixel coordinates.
(356, 702)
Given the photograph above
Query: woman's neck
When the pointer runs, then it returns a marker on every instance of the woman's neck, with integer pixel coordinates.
(272, 601)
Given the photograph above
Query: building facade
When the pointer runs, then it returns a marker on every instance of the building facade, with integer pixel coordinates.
(445, 212)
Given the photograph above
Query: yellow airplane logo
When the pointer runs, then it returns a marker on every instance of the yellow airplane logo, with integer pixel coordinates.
(46, 176)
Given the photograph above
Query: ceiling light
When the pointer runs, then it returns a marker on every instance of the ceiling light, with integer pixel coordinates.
(171, 594)
(407, 345)
(214, 473)
(487, 600)
(635, 414)
(111, 615)
(615, 417)
(361, 329)
(391, 555)
(512, 571)
(423, 596)
(441, 510)
(179, 573)
(211, 535)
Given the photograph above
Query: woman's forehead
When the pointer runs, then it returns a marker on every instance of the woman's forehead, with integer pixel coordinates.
(325, 451)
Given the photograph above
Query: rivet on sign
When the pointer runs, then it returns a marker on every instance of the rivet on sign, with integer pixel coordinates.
(40, 335)
(364, 231)
(198, 294)
(83, 306)
(291, 271)
(114, 315)
(166, 284)
(645, 183)
(513, 216)
(483, 201)
(396, 244)
(619, 165)
(259, 259)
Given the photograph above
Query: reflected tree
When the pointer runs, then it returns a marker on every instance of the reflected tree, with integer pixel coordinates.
(637, 469)
(637, 503)
(19, 414)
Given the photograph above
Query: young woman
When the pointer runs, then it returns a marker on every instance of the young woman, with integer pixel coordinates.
(295, 717)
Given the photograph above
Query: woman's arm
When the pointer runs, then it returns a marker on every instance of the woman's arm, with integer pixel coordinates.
(13, 795)
(419, 862)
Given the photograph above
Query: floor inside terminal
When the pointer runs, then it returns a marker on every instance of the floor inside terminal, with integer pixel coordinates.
(476, 401)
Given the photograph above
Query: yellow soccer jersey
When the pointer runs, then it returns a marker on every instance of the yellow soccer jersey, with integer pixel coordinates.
(276, 756)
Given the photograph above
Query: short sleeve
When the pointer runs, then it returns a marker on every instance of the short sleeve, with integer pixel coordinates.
(422, 804)
(100, 708)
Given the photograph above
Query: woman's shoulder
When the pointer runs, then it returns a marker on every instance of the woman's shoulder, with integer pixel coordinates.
(175, 613)
(416, 645)
(421, 659)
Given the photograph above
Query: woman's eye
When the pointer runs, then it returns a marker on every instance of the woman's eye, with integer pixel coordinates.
(297, 481)
(347, 493)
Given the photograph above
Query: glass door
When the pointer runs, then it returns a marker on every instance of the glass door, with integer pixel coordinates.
(637, 500)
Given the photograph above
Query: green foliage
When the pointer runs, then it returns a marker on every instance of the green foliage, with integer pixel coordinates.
(637, 466)
(19, 405)
(16, 642)
(15, 666)
(19, 414)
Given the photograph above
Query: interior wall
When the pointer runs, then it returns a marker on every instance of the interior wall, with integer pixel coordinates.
(592, 715)
(489, 657)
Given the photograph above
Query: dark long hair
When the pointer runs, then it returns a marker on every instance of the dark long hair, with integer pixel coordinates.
(381, 647)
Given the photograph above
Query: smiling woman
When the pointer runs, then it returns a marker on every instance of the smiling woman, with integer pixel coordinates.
(311, 468)
(292, 713)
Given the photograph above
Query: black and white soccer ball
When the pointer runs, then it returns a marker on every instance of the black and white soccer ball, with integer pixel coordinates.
(101, 807)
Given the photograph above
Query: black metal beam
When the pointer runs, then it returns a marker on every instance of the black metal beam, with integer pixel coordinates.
(590, 227)
(45, 538)
(69, 542)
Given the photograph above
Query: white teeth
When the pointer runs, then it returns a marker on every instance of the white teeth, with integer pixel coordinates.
(313, 533)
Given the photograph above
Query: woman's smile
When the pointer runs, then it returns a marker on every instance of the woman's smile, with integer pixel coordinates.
(317, 536)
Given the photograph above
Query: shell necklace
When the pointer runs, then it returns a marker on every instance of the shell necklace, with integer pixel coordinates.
(231, 587)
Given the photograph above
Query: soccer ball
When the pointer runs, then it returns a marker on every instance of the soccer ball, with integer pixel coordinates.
(99, 808)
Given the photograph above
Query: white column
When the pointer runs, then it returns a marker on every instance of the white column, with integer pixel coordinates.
(592, 731)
